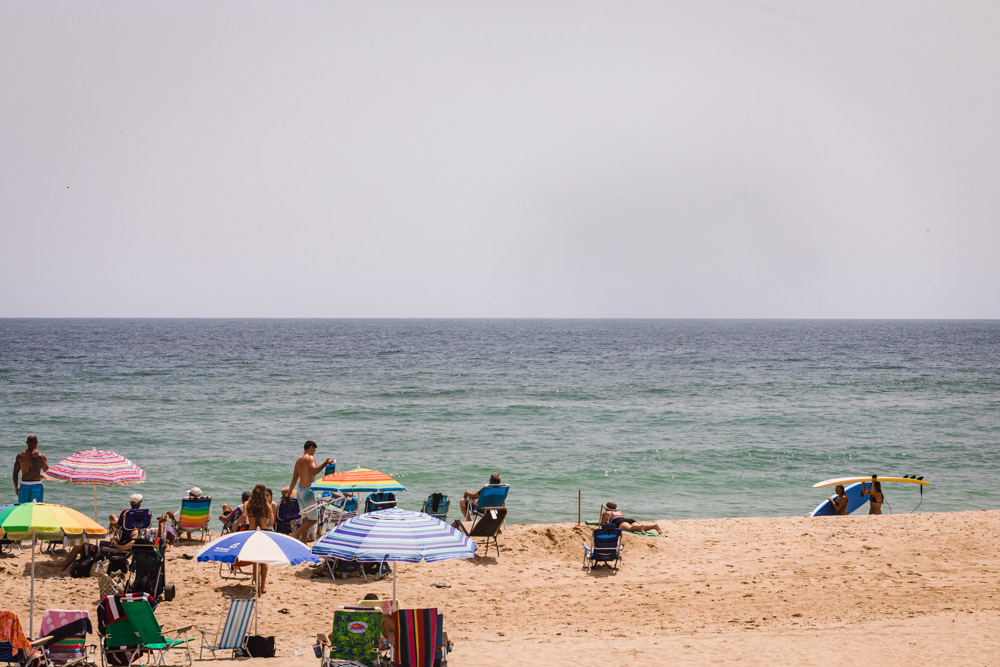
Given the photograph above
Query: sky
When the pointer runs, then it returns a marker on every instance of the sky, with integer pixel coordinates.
(500, 159)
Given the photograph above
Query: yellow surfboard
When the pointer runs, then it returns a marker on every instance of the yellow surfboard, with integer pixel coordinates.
(852, 480)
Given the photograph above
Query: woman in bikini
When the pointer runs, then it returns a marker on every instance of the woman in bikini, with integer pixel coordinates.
(874, 492)
(614, 516)
(258, 514)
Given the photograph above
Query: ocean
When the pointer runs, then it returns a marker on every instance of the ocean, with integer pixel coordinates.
(673, 419)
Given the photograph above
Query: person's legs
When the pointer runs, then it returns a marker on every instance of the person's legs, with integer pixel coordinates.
(309, 512)
(71, 557)
(263, 578)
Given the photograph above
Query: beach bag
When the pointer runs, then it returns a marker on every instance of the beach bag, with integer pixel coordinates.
(260, 647)
(81, 567)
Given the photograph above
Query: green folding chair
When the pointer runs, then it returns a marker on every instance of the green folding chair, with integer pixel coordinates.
(148, 633)
(356, 638)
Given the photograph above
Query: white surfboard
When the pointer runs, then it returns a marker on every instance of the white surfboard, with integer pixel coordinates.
(852, 480)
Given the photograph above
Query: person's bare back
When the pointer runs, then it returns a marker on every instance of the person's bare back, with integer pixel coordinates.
(31, 462)
(29, 465)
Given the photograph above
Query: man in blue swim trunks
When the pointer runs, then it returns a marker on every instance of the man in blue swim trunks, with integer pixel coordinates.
(303, 476)
(30, 463)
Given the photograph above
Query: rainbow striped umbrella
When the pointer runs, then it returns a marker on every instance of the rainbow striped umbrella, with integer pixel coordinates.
(394, 535)
(34, 521)
(97, 467)
(357, 481)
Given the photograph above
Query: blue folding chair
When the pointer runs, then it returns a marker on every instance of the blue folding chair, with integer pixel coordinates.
(139, 519)
(380, 500)
(437, 506)
(607, 549)
(490, 496)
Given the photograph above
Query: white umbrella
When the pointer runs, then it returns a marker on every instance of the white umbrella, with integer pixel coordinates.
(256, 546)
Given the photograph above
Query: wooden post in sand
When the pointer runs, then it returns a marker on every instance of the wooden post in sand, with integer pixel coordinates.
(579, 505)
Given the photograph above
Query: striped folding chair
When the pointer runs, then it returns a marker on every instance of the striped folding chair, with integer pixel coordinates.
(418, 638)
(68, 629)
(195, 515)
(233, 628)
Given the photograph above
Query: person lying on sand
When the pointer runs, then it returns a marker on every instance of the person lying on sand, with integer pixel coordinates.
(614, 516)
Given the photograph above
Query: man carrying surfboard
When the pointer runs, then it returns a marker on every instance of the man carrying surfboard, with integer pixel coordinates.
(839, 501)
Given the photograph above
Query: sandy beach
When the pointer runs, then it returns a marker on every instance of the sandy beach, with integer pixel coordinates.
(804, 591)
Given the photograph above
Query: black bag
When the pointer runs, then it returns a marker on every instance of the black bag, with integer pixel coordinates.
(81, 567)
(260, 647)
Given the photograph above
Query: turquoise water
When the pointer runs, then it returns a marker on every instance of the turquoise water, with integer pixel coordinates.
(671, 418)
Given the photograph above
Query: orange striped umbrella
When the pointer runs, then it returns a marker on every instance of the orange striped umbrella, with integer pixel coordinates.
(360, 481)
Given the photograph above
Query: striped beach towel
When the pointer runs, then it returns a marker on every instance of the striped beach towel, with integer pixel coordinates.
(416, 637)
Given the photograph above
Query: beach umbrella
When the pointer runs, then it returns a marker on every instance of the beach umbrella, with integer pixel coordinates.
(256, 546)
(96, 468)
(35, 521)
(394, 535)
(362, 480)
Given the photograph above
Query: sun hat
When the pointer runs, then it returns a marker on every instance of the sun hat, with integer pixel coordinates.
(611, 505)
(194, 492)
(135, 498)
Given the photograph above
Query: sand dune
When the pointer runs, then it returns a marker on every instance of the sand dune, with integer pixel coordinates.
(802, 591)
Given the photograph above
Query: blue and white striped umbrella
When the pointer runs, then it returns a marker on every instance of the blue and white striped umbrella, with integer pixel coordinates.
(256, 546)
(394, 535)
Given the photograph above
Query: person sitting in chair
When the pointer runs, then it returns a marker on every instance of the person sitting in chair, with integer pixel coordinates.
(194, 493)
(231, 516)
(615, 517)
(469, 498)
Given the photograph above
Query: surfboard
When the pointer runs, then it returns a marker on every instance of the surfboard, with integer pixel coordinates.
(855, 500)
(851, 480)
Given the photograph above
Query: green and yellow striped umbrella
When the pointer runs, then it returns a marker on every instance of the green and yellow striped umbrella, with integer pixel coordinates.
(44, 521)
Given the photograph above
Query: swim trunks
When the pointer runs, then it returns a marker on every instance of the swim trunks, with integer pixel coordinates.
(30, 491)
(307, 499)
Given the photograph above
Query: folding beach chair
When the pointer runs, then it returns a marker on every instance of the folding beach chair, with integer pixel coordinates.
(356, 638)
(607, 549)
(437, 506)
(10, 545)
(15, 647)
(380, 500)
(418, 638)
(487, 527)
(234, 520)
(68, 629)
(139, 519)
(490, 496)
(145, 626)
(231, 634)
(289, 516)
(118, 643)
(194, 517)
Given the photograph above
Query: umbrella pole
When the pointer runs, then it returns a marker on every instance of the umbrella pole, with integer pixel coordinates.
(394, 588)
(95, 502)
(31, 611)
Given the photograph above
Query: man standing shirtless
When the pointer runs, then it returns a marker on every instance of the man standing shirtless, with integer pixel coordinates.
(30, 463)
(304, 475)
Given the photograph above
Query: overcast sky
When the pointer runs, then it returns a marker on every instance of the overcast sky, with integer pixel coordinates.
(504, 159)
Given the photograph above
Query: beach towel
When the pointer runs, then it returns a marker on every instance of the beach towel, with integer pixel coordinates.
(416, 637)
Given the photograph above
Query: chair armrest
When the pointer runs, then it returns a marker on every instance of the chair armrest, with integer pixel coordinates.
(178, 630)
(41, 641)
(206, 632)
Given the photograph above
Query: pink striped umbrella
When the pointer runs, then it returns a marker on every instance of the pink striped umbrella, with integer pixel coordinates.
(97, 468)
